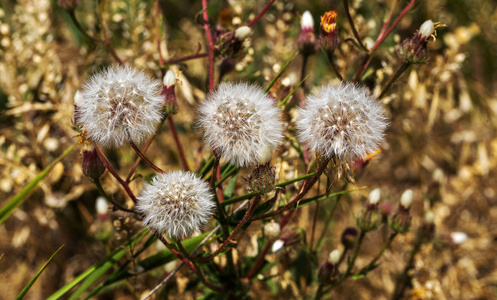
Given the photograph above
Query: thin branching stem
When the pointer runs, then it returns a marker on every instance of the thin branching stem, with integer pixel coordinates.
(380, 254)
(226, 242)
(352, 25)
(98, 184)
(333, 65)
(145, 159)
(259, 15)
(123, 183)
(178, 143)
(210, 46)
(405, 65)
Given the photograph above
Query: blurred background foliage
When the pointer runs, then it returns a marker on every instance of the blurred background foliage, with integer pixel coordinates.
(441, 143)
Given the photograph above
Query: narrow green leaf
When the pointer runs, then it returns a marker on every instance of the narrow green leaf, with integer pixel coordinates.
(8, 209)
(280, 72)
(96, 267)
(283, 102)
(28, 286)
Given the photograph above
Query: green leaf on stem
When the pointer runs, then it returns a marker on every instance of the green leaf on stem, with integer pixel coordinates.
(280, 72)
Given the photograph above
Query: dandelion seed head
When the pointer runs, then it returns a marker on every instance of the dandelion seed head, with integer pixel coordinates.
(242, 122)
(342, 120)
(177, 203)
(118, 102)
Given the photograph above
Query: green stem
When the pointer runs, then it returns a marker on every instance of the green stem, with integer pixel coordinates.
(356, 253)
(394, 77)
(352, 25)
(379, 255)
(333, 66)
(110, 199)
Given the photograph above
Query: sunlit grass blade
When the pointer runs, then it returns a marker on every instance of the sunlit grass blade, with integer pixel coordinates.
(30, 283)
(8, 209)
(105, 263)
(147, 264)
(280, 72)
(283, 102)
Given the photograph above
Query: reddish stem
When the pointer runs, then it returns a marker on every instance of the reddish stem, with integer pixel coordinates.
(158, 32)
(114, 173)
(188, 57)
(210, 45)
(178, 143)
(308, 183)
(142, 156)
(163, 240)
(269, 3)
(249, 212)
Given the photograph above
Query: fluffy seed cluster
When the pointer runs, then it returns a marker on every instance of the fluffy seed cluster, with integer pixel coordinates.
(118, 103)
(242, 122)
(342, 120)
(177, 203)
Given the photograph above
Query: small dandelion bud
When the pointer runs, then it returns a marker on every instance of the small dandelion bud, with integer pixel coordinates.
(401, 220)
(329, 31)
(307, 42)
(334, 256)
(240, 121)
(272, 230)
(242, 33)
(349, 236)
(262, 179)
(120, 104)
(374, 196)
(427, 230)
(342, 121)
(177, 203)
(277, 246)
(458, 237)
(415, 49)
(102, 207)
(169, 79)
(93, 166)
(427, 29)
(325, 272)
(406, 199)
(170, 101)
(370, 218)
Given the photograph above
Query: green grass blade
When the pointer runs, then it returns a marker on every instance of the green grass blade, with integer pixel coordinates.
(8, 209)
(118, 253)
(293, 91)
(280, 72)
(28, 286)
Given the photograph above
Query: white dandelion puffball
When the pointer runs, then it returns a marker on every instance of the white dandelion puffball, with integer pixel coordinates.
(177, 203)
(242, 122)
(118, 103)
(342, 120)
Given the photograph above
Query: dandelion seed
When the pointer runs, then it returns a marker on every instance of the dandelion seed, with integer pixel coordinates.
(118, 103)
(242, 122)
(177, 203)
(328, 125)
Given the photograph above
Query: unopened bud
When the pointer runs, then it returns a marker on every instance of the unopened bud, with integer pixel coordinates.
(334, 256)
(427, 29)
(307, 21)
(93, 166)
(272, 230)
(349, 236)
(264, 154)
(277, 245)
(406, 199)
(169, 79)
(242, 33)
(170, 101)
(325, 272)
(458, 237)
(307, 42)
(329, 31)
(102, 207)
(262, 179)
(374, 196)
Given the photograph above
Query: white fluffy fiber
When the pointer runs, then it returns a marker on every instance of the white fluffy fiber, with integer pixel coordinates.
(177, 203)
(342, 120)
(116, 102)
(242, 122)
